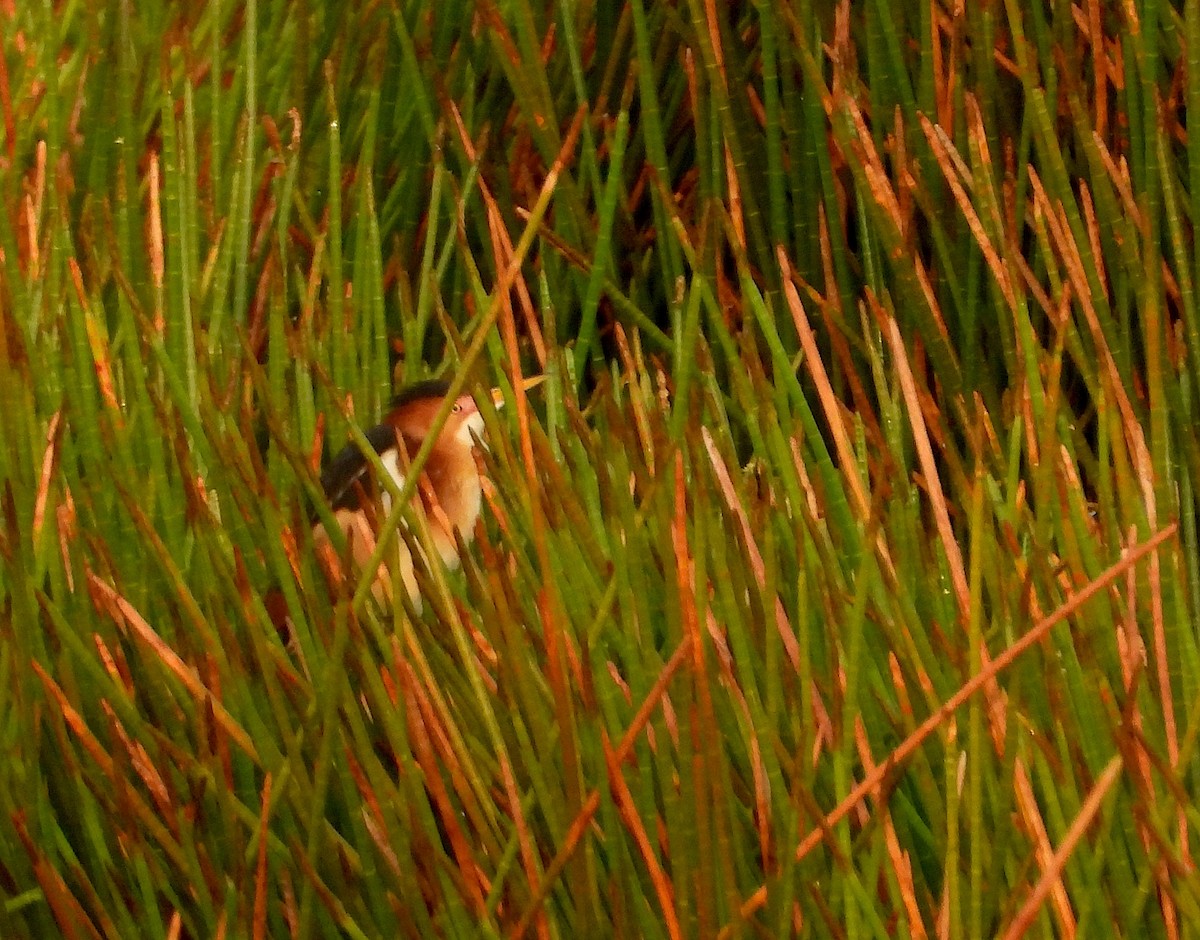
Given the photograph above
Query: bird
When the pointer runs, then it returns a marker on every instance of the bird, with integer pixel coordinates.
(448, 492)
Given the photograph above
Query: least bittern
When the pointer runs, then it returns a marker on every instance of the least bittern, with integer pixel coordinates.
(448, 489)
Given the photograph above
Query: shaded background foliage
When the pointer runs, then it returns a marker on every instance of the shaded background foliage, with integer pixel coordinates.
(746, 126)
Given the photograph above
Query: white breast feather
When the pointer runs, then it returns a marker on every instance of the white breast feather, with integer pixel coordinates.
(391, 463)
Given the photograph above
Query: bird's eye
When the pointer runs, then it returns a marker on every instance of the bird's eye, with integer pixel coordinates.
(457, 408)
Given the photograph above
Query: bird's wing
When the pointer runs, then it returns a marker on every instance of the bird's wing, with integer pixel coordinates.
(347, 479)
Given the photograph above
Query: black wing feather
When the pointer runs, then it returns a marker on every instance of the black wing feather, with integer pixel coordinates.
(350, 467)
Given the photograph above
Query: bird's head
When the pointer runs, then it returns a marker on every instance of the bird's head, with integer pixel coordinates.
(414, 409)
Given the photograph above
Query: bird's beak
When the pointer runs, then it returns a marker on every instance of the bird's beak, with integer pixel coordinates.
(526, 385)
